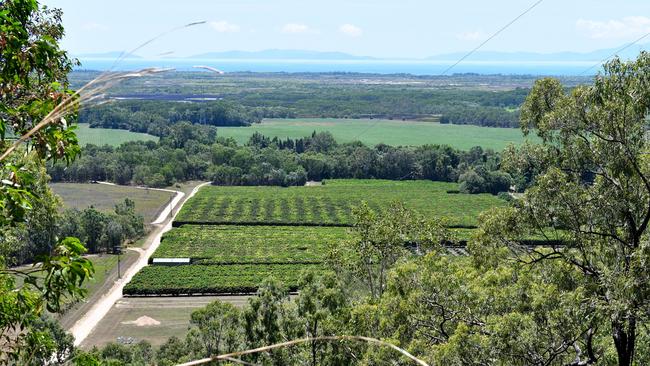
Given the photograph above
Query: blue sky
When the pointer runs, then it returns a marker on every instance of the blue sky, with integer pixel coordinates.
(380, 28)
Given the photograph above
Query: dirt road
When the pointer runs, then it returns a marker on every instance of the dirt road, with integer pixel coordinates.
(82, 328)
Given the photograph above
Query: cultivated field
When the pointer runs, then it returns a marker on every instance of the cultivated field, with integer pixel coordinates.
(104, 197)
(391, 132)
(232, 244)
(331, 203)
(213, 279)
(236, 237)
(106, 136)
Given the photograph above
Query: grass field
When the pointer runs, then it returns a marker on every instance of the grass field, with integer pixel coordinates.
(331, 203)
(104, 197)
(231, 244)
(106, 136)
(173, 313)
(390, 132)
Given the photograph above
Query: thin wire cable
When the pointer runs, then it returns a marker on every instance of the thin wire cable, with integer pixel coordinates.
(491, 37)
(355, 138)
(616, 53)
(465, 56)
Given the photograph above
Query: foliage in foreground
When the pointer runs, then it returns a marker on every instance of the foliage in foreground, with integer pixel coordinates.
(33, 80)
(593, 192)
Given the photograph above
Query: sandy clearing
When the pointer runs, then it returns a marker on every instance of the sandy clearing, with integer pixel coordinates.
(143, 321)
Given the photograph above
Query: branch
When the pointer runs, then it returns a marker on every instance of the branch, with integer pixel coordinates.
(305, 340)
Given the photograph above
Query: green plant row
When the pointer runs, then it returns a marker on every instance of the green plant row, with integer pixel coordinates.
(212, 279)
(331, 204)
(231, 244)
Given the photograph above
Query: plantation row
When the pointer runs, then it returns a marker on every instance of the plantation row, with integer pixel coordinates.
(249, 244)
(236, 237)
(330, 204)
(212, 279)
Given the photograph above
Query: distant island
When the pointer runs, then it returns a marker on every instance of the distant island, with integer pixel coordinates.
(481, 56)
(276, 54)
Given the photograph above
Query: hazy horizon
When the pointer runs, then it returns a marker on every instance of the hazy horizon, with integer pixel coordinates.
(410, 29)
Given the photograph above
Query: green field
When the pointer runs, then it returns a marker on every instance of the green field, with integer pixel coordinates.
(331, 203)
(231, 244)
(390, 132)
(236, 237)
(212, 279)
(104, 197)
(107, 136)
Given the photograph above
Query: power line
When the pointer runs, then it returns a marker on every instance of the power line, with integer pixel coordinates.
(616, 53)
(465, 56)
(491, 37)
(355, 138)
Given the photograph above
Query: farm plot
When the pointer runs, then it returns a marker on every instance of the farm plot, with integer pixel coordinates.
(233, 244)
(213, 279)
(330, 204)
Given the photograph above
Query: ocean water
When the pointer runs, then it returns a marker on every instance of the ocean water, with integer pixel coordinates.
(414, 67)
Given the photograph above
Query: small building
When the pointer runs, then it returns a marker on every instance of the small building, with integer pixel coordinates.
(170, 261)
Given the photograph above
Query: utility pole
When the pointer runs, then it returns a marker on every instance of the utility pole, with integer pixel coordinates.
(118, 251)
(171, 208)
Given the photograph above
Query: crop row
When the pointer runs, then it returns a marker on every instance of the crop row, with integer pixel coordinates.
(330, 204)
(212, 279)
(231, 244)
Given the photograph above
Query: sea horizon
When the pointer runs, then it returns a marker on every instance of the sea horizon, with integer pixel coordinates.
(387, 67)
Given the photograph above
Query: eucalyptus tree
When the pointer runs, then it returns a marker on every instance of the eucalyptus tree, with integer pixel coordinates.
(592, 193)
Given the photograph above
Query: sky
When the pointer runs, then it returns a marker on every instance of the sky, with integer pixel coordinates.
(377, 28)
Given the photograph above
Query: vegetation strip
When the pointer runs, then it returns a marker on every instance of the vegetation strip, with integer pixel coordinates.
(213, 279)
(328, 205)
(249, 244)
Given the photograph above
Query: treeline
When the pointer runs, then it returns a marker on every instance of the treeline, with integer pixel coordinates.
(45, 225)
(264, 161)
(157, 117)
(476, 107)
(486, 117)
(103, 232)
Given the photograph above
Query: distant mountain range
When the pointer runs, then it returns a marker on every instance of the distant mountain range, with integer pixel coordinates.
(275, 54)
(487, 56)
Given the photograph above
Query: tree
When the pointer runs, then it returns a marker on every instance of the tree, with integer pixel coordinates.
(265, 319)
(454, 312)
(33, 82)
(219, 325)
(593, 194)
(93, 223)
(472, 182)
(380, 240)
(320, 302)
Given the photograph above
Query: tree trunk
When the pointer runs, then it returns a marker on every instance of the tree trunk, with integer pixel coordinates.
(624, 334)
(313, 344)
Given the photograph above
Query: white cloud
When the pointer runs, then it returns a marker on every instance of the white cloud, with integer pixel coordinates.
(614, 28)
(223, 26)
(92, 26)
(351, 30)
(296, 28)
(472, 36)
